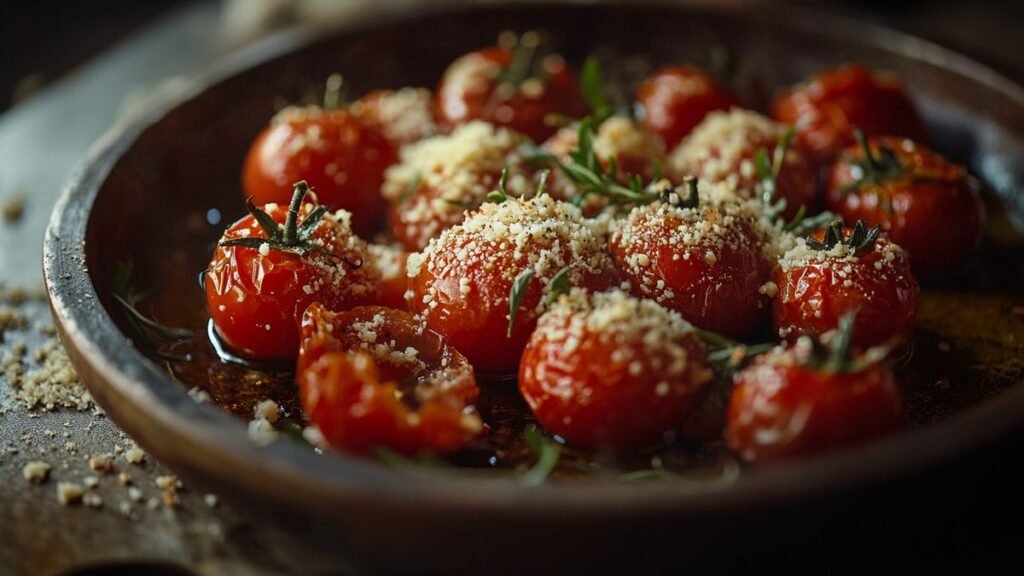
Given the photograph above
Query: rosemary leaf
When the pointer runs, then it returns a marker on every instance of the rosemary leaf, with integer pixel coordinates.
(516, 295)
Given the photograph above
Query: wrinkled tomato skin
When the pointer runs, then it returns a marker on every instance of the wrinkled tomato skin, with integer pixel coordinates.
(934, 211)
(355, 399)
(828, 107)
(812, 297)
(592, 400)
(779, 412)
(256, 301)
(469, 91)
(676, 99)
(341, 158)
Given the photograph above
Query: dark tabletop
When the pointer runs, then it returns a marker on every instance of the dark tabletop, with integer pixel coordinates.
(95, 65)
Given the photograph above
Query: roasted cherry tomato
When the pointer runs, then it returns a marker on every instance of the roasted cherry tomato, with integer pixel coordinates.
(440, 178)
(925, 203)
(342, 158)
(704, 260)
(725, 148)
(806, 399)
(842, 270)
(374, 377)
(512, 85)
(610, 371)
(404, 115)
(272, 264)
(676, 99)
(393, 280)
(504, 260)
(830, 106)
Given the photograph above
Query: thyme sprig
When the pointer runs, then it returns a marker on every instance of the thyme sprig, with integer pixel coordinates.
(861, 239)
(768, 170)
(875, 168)
(158, 335)
(293, 237)
(727, 355)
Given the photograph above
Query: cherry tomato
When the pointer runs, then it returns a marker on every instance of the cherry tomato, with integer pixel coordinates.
(509, 86)
(404, 116)
(843, 270)
(787, 403)
(634, 149)
(373, 377)
(706, 262)
(925, 203)
(611, 371)
(828, 107)
(257, 291)
(676, 99)
(724, 147)
(462, 283)
(393, 281)
(440, 178)
(342, 158)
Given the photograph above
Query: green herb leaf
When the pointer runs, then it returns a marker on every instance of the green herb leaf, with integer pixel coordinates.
(547, 451)
(592, 88)
(516, 295)
(559, 284)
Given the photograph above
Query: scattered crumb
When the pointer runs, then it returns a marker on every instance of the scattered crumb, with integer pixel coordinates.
(199, 395)
(313, 435)
(92, 500)
(36, 471)
(268, 410)
(135, 494)
(125, 508)
(124, 479)
(134, 455)
(68, 493)
(91, 482)
(14, 207)
(262, 432)
(211, 500)
(102, 463)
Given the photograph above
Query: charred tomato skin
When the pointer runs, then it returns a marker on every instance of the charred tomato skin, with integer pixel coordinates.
(783, 410)
(256, 300)
(932, 209)
(829, 106)
(471, 90)
(341, 157)
(607, 389)
(813, 295)
(675, 99)
(356, 398)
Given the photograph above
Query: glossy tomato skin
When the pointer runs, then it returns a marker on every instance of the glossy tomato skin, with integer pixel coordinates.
(723, 149)
(676, 99)
(612, 372)
(707, 263)
(470, 90)
(342, 158)
(363, 389)
(816, 288)
(781, 409)
(394, 283)
(931, 209)
(829, 106)
(256, 300)
(461, 283)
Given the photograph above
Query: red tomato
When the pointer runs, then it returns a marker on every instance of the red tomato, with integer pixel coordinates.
(705, 262)
(462, 283)
(440, 178)
(373, 377)
(787, 404)
(610, 371)
(723, 148)
(816, 286)
(925, 203)
(828, 107)
(513, 87)
(256, 295)
(404, 115)
(676, 99)
(393, 280)
(341, 158)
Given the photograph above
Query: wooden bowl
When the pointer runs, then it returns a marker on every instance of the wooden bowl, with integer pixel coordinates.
(148, 188)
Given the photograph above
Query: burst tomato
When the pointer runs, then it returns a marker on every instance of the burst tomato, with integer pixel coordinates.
(462, 284)
(676, 99)
(260, 281)
(610, 371)
(797, 401)
(844, 270)
(373, 377)
(704, 261)
(828, 107)
(513, 86)
(342, 158)
(925, 203)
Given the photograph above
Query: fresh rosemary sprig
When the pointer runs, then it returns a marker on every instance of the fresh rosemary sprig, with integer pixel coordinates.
(768, 170)
(516, 295)
(547, 451)
(727, 355)
(592, 89)
(527, 59)
(160, 336)
(560, 284)
(501, 194)
(861, 239)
